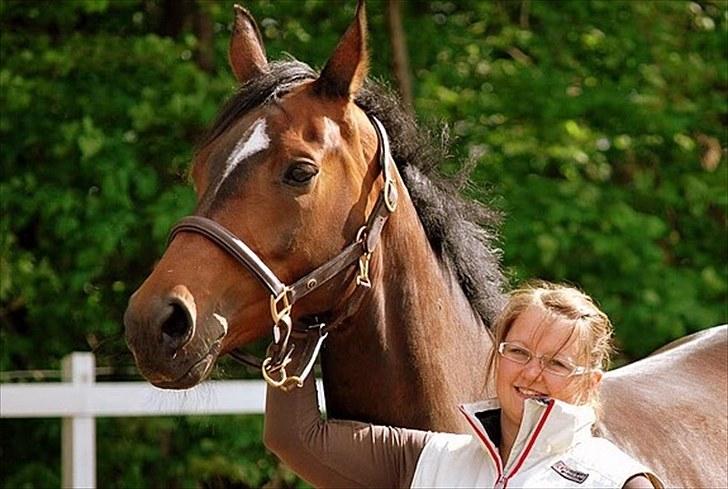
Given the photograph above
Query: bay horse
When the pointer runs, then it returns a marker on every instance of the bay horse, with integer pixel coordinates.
(291, 173)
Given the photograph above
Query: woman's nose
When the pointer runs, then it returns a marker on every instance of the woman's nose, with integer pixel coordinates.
(533, 369)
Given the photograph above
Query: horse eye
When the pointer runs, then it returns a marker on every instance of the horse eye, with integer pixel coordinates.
(299, 173)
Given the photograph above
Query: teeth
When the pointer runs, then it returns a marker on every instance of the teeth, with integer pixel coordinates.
(529, 392)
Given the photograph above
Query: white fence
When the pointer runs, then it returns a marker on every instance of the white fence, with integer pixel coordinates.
(79, 400)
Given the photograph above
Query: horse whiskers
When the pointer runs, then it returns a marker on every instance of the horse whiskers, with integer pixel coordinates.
(115, 341)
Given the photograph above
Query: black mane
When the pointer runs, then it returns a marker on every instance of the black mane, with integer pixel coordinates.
(464, 232)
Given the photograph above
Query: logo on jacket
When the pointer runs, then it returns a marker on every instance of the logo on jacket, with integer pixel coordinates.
(568, 473)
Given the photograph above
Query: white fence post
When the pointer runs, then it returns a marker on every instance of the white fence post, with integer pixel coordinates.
(78, 434)
(80, 399)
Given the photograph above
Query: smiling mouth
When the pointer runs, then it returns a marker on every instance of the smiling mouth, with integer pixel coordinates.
(529, 393)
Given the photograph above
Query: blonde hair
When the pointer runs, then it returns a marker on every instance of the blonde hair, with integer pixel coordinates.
(590, 325)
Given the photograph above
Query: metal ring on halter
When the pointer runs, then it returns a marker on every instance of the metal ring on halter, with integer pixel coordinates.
(278, 314)
(390, 194)
(362, 278)
(282, 315)
(285, 381)
(361, 236)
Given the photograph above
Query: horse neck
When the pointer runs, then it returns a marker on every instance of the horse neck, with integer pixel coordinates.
(407, 356)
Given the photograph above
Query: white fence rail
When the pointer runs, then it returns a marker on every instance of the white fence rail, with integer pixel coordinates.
(79, 400)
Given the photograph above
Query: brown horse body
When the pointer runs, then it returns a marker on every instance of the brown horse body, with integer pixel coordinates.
(292, 171)
(670, 410)
(416, 340)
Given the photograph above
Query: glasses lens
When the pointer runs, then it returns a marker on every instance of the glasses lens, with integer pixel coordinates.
(552, 365)
(557, 367)
(516, 353)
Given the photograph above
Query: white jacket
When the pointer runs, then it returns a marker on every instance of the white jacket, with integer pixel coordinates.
(554, 448)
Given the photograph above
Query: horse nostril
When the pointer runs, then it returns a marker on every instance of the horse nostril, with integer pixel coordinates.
(177, 328)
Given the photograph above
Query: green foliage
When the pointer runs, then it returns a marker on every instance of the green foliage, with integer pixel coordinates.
(226, 451)
(599, 127)
(594, 123)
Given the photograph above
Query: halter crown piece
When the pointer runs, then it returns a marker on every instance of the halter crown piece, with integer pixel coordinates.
(283, 297)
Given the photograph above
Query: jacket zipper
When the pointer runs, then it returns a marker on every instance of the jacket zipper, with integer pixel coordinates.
(502, 479)
(502, 482)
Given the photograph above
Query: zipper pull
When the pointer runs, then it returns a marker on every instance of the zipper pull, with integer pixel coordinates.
(500, 483)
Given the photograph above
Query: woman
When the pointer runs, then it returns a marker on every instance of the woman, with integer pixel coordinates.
(553, 344)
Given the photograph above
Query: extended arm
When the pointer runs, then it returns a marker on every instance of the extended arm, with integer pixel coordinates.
(335, 453)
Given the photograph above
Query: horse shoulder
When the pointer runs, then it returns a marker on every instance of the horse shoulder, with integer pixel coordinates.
(669, 410)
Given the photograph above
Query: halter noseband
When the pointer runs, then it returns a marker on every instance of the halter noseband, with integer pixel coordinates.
(282, 296)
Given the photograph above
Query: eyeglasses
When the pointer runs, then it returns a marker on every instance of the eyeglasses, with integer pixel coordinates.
(551, 364)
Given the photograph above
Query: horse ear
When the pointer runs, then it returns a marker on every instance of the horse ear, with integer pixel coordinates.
(246, 53)
(347, 67)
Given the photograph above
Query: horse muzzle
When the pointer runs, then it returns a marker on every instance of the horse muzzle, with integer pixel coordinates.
(170, 348)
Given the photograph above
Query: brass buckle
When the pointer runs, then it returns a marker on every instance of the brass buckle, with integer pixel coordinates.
(284, 382)
(390, 194)
(281, 314)
(362, 277)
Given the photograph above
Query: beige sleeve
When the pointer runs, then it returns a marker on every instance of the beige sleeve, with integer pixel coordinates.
(337, 453)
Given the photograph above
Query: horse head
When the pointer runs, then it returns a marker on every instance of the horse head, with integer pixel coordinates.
(290, 169)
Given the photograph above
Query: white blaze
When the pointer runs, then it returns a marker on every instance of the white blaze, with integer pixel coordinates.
(256, 141)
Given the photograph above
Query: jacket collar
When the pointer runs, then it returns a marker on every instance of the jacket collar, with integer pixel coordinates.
(547, 427)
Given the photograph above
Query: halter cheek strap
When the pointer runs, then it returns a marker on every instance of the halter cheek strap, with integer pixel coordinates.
(283, 297)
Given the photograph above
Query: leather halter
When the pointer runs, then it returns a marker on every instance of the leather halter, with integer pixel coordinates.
(283, 296)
